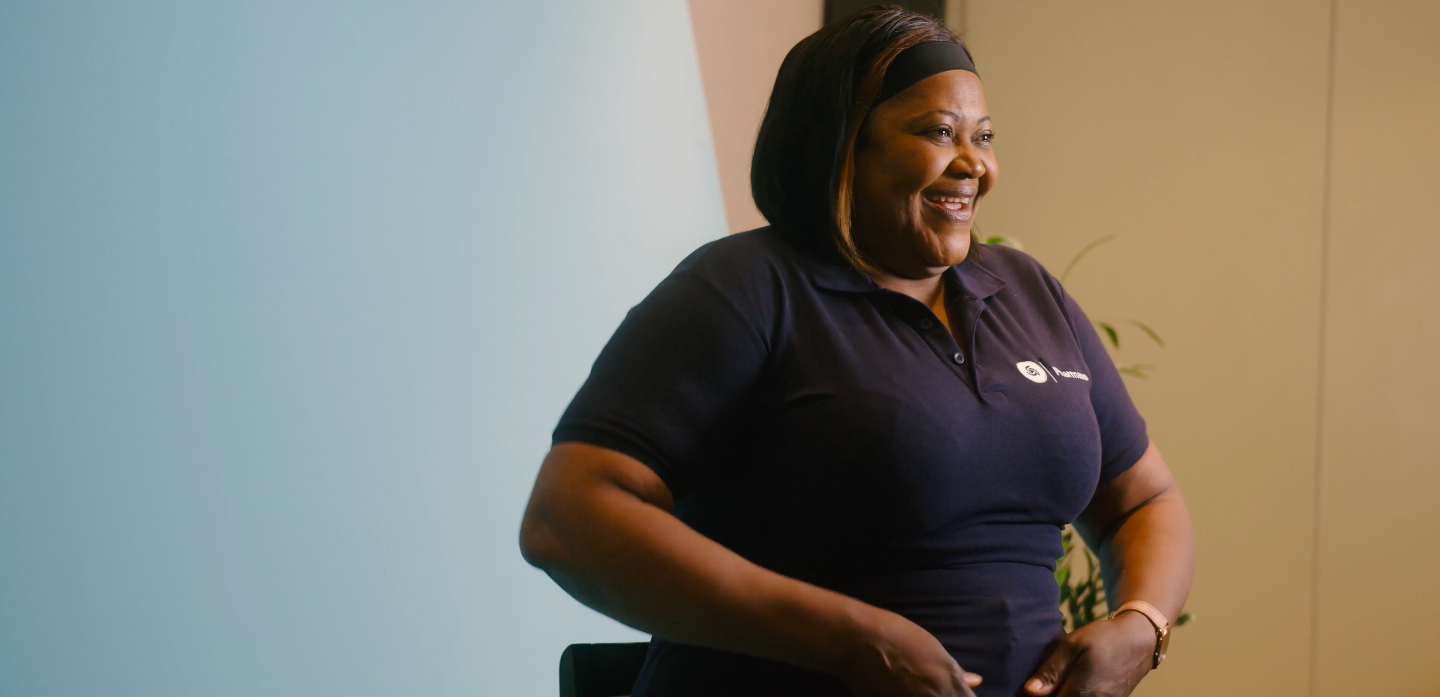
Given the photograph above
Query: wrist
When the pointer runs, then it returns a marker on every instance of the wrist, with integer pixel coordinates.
(1138, 630)
(1151, 619)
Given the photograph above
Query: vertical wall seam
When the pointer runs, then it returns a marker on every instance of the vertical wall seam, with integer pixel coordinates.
(1327, 168)
(956, 17)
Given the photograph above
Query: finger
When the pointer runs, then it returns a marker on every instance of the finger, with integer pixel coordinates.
(965, 686)
(1080, 681)
(968, 681)
(1052, 670)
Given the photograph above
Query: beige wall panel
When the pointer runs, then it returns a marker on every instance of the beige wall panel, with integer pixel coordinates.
(741, 44)
(1380, 467)
(1195, 131)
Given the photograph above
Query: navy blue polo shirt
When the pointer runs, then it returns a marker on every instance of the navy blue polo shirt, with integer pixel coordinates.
(833, 431)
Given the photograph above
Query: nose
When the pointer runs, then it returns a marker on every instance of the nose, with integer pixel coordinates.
(967, 165)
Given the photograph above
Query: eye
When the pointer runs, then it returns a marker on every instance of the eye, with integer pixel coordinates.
(985, 136)
(942, 132)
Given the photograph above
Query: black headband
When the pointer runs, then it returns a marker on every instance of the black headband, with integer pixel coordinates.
(921, 61)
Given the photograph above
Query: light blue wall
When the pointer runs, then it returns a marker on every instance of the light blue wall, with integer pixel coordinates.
(291, 294)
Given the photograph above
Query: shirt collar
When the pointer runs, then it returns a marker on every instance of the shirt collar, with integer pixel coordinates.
(831, 274)
(975, 279)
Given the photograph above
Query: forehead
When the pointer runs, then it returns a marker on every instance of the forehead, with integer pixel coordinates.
(953, 90)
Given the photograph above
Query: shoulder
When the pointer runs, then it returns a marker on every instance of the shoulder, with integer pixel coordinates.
(1022, 274)
(1013, 265)
(744, 256)
(1029, 288)
(751, 268)
(752, 273)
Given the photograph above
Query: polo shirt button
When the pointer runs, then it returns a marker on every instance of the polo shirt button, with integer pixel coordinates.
(926, 324)
(958, 358)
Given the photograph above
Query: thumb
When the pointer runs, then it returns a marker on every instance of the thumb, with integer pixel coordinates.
(1053, 669)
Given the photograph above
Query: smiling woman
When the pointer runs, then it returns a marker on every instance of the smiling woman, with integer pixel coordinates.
(834, 456)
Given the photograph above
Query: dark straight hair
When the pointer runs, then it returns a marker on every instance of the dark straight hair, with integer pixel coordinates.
(802, 173)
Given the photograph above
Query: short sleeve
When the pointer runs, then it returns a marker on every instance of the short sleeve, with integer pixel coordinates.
(1123, 438)
(668, 379)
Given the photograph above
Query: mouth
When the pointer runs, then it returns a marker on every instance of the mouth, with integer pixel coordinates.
(956, 205)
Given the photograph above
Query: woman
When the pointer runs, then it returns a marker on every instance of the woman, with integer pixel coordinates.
(834, 456)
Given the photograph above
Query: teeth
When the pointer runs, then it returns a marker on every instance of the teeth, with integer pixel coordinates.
(949, 199)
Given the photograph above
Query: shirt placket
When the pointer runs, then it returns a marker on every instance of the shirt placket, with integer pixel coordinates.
(941, 342)
(971, 309)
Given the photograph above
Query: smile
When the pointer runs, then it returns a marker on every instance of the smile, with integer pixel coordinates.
(957, 207)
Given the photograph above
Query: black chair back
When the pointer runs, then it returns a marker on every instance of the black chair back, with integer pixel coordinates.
(600, 670)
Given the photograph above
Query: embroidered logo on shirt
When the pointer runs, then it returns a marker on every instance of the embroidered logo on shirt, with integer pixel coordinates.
(1032, 371)
(1038, 373)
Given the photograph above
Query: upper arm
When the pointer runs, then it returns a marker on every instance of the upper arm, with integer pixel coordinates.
(574, 480)
(1147, 480)
(671, 378)
(1132, 471)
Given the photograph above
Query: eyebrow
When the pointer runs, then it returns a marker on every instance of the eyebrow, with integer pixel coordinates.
(951, 114)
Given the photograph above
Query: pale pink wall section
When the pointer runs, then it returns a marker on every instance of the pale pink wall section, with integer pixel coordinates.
(741, 44)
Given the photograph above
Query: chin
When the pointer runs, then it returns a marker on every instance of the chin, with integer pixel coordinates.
(952, 247)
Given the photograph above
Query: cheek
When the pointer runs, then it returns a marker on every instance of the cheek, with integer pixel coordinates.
(921, 170)
(886, 192)
(901, 172)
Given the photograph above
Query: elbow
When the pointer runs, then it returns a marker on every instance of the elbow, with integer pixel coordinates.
(575, 495)
(539, 543)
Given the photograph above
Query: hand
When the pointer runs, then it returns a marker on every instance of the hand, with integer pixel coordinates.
(1102, 659)
(894, 657)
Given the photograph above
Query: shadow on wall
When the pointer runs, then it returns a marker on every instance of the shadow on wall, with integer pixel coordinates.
(835, 9)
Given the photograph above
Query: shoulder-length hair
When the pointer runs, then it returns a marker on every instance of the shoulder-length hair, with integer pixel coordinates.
(802, 172)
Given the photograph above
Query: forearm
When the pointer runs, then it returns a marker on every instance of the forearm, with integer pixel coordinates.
(1150, 555)
(634, 561)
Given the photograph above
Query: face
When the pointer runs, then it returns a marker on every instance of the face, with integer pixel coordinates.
(923, 161)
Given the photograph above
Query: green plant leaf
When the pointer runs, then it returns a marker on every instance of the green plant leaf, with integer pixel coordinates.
(1110, 332)
(1138, 370)
(1007, 241)
(1148, 332)
(1082, 596)
(1088, 248)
